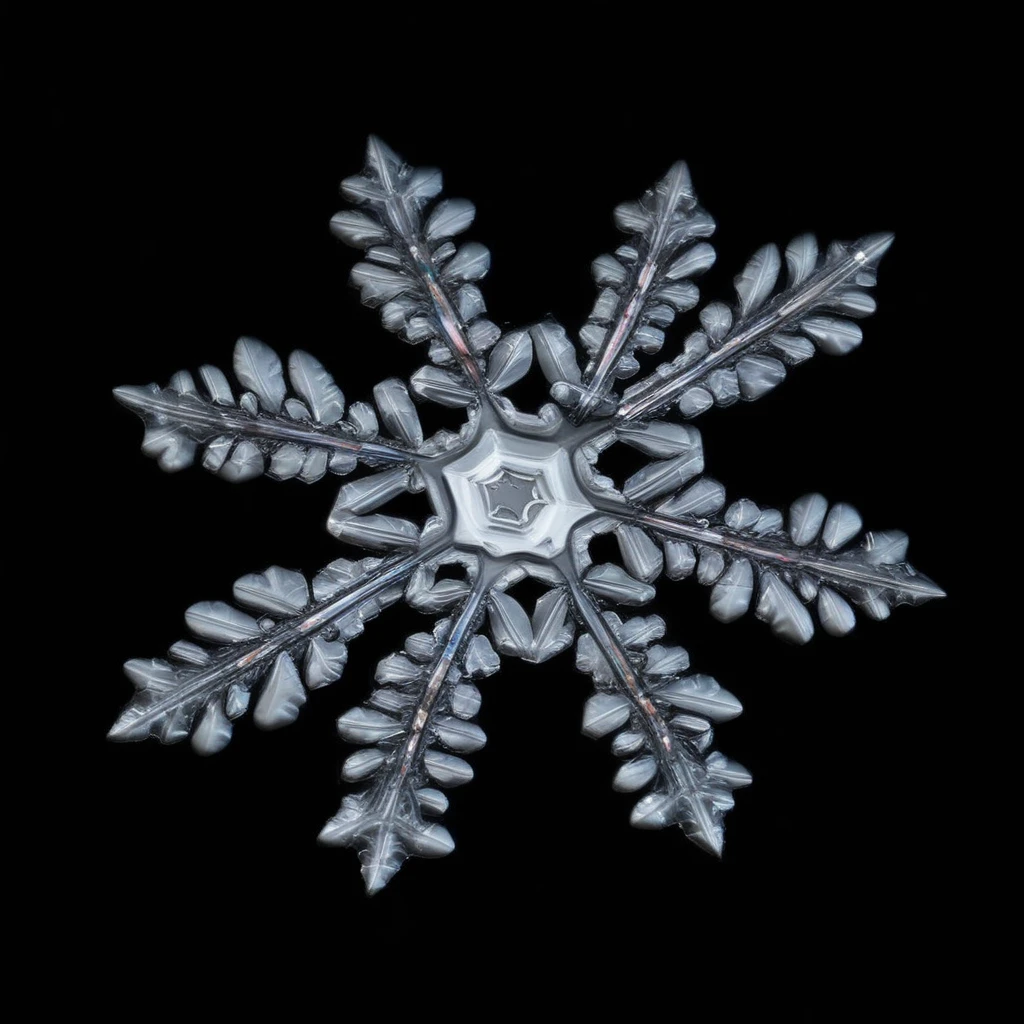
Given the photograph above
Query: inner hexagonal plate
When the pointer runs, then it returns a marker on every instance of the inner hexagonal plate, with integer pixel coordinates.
(515, 496)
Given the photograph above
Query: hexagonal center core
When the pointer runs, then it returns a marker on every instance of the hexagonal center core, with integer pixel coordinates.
(515, 495)
(513, 498)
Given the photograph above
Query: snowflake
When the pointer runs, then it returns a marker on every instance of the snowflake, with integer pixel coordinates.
(515, 495)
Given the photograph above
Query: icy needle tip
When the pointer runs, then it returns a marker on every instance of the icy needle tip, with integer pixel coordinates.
(132, 396)
(709, 840)
(119, 731)
(873, 247)
(930, 589)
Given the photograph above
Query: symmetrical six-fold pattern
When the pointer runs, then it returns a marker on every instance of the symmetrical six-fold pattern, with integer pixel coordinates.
(516, 495)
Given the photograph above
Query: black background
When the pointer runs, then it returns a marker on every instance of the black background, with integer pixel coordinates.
(190, 196)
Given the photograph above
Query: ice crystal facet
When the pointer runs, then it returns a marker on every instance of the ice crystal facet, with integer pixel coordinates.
(516, 495)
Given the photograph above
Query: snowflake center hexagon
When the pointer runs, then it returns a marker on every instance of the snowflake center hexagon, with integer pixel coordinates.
(515, 496)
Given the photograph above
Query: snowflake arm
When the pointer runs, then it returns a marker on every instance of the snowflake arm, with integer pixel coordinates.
(415, 726)
(735, 354)
(200, 689)
(643, 286)
(747, 549)
(689, 789)
(265, 430)
(424, 285)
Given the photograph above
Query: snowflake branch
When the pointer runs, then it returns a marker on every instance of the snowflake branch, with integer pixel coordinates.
(763, 323)
(385, 823)
(811, 559)
(204, 422)
(452, 328)
(268, 430)
(423, 283)
(691, 791)
(646, 292)
(171, 696)
(425, 709)
(896, 578)
(644, 284)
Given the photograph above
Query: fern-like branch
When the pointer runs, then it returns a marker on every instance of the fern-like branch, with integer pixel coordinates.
(424, 284)
(734, 356)
(202, 688)
(407, 727)
(643, 285)
(811, 559)
(634, 693)
(266, 429)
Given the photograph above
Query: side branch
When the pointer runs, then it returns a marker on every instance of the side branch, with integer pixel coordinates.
(681, 769)
(779, 318)
(753, 556)
(841, 570)
(644, 285)
(170, 697)
(424, 284)
(411, 730)
(205, 421)
(286, 427)
(453, 331)
(424, 710)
